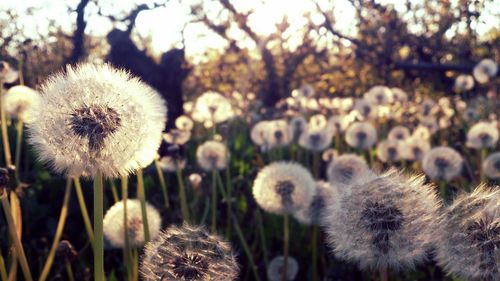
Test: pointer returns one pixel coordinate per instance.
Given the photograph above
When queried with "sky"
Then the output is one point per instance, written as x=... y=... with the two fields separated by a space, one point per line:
x=164 y=25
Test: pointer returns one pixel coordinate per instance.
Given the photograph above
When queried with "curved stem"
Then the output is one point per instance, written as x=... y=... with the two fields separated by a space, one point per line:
x=141 y=194
x=16 y=239
x=69 y=270
x=245 y=247
x=163 y=185
x=98 y=228
x=57 y=237
x=84 y=211
x=19 y=144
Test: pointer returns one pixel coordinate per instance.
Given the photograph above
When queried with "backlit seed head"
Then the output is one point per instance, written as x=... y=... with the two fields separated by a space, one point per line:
x=468 y=241
x=96 y=118
x=345 y=169
x=485 y=70
x=482 y=135
x=399 y=133
x=283 y=187
x=325 y=194
x=442 y=163
x=414 y=148
x=389 y=151
x=361 y=135
x=18 y=101
x=212 y=155
x=188 y=253
x=383 y=221
x=491 y=166
x=276 y=267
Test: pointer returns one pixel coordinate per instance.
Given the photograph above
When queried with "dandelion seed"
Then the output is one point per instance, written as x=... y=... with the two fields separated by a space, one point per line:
x=491 y=166
x=383 y=221
x=312 y=214
x=212 y=155
x=275 y=269
x=18 y=101
x=482 y=135
x=468 y=243
x=115 y=228
x=442 y=163
x=188 y=253
x=283 y=187
x=96 y=118
x=485 y=70
x=345 y=169
x=361 y=135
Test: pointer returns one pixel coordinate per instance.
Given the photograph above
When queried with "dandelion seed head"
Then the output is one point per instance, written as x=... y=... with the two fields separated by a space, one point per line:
x=212 y=107
x=389 y=151
x=366 y=109
x=184 y=123
x=298 y=125
x=212 y=155
x=18 y=101
x=491 y=166
x=283 y=187
x=276 y=267
x=7 y=74
x=176 y=136
x=482 y=135
x=115 y=228
x=312 y=213
x=171 y=164
x=468 y=242
x=383 y=221
x=399 y=95
x=399 y=133
x=96 y=118
x=414 y=148
x=464 y=82
x=345 y=169
x=361 y=135
x=485 y=70
x=442 y=163
x=379 y=95
x=315 y=139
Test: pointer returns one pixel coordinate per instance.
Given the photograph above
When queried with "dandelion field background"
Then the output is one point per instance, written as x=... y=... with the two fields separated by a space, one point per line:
x=320 y=140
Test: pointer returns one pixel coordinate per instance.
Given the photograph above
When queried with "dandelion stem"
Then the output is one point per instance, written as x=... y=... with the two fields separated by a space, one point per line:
x=182 y=195
x=126 y=251
x=442 y=189
x=19 y=143
x=59 y=230
x=3 y=269
x=245 y=247
x=316 y=164
x=480 y=165
x=214 y=201
x=114 y=191
x=141 y=194
x=163 y=185
x=84 y=211
x=286 y=238
x=262 y=234
x=98 y=228
x=69 y=270
x=15 y=238
x=5 y=135
x=314 y=245
x=228 y=201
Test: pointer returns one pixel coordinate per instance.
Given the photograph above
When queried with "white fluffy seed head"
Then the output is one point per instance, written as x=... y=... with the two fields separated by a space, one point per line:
x=278 y=134
x=468 y=241
x=442 y=163
x=316 y=139
x=18 y=101
x=367 y=110
x=283 y=187
x=399 y=133
x=491 y=166
x=324 y=194
x=485 y=70
x=184 y=123
x=379 y=95
x=399 y=95
x=275 y=269
x=345 y=169
x=7 y=73
x=212 y=155
x=188 y=253
x=414 y=148
x=361 y=135
x=212 y=107
x=383 y=221
x=177 y=136
x=482 y=135
x=171 y=164
x=389 y=151
x=464 y=82
x=115 y=228
x=96 y=118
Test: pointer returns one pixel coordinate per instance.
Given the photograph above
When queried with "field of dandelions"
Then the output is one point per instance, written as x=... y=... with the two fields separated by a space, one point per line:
x=391 y=185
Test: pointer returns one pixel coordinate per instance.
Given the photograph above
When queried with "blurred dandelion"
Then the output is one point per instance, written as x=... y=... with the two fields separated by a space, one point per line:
x=464 y=82
x=361 y=135
x=379 y=95
x=312 y=213
x=414 y=148
x=315 y=139
x=491 y=166
x=212 y=155
x=346 y=168
x=176 y=136
x=468 y=241
x=184 y=123
x=399 y=133
x=275 y=269
x=442 y=163
x=485 y=70
x=18 y=101
x=389 y=151
x=188 y=253
x=212 y=107
x=115 y=228
x=482 y=135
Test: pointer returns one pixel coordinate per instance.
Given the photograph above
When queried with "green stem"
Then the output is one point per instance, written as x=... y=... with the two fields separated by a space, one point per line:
x=98 y=228
x=214 y=201
x=116 y=198
x=141 y=194
x=262 y=235
x=59 y=230
x=69 y=270
x=245 y=247
x=228 y=201
x=3 y=269
x=481 y=172
x=314 y=245
x=182 y=195
x=163 y=185
x=5 y=135
x=126 y=251
x=316 y=164
x=16 y=239
x=442 y=189
x=19 y=143
x=84 y=211
x=286 y=238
